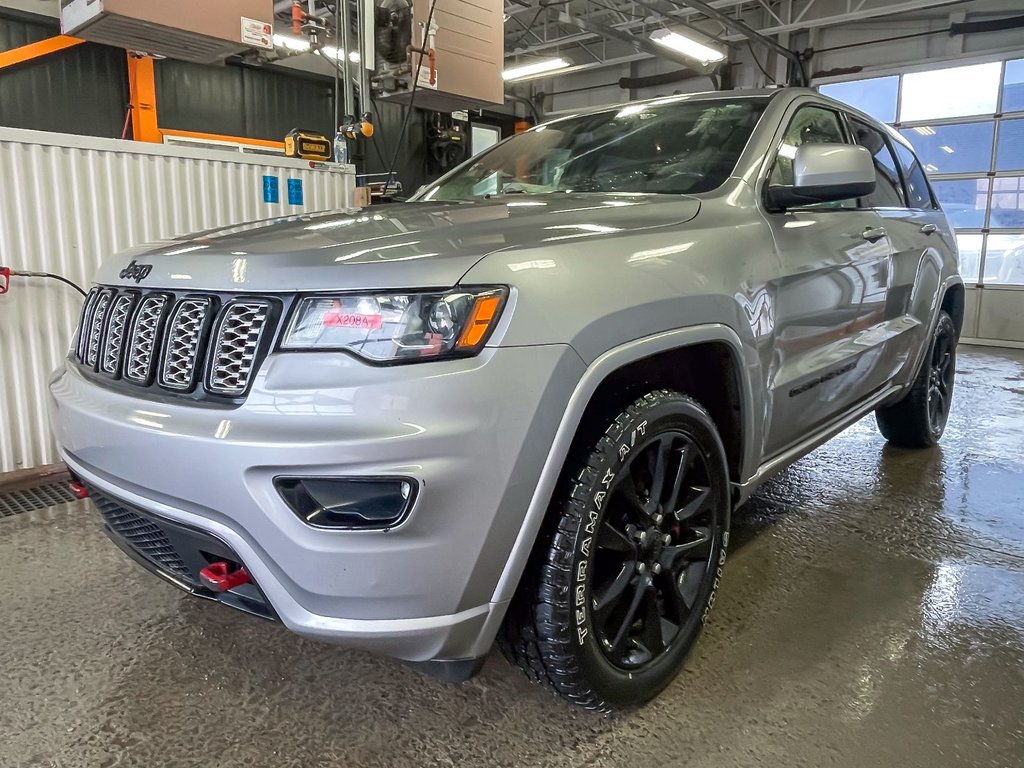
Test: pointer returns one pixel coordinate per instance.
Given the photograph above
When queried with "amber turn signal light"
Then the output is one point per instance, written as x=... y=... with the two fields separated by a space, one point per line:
x=485 y=310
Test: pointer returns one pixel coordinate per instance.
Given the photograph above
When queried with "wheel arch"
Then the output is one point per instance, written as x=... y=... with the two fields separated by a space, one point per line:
x=954 y=302
x=654 y=357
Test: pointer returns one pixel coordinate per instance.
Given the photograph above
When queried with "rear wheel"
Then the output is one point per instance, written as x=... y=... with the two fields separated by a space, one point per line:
x=623 y=577
x=919 y=419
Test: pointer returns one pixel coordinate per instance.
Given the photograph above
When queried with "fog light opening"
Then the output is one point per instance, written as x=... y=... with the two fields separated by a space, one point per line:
x=370 y=503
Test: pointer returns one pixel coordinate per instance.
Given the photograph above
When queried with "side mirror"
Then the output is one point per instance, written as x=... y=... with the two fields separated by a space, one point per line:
x=826 y=173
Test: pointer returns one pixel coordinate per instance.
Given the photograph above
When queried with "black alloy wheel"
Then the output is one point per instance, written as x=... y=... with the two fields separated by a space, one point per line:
x=653 y=550
x=919 y=418
x=940 y=377
x=625 y=570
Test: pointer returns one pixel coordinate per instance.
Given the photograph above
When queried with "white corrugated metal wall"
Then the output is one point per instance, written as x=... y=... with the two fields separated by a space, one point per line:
x=68 y=202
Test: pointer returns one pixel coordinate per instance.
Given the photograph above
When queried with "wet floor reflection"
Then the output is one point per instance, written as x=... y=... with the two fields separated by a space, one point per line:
x=872 y=613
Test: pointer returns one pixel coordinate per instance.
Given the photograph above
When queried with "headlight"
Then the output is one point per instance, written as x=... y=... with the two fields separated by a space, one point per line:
x=389 y=327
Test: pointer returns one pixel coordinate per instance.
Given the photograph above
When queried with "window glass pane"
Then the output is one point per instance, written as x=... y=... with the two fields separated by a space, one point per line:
x=1010 y=156
x=876 y=96
x=888 y=187
x=1004 y=262
x=918 y=195
x=1008 y=203
x=970 y=256
x=483 y=137
x=810 y=125
x=1013 y=86
x=954 y=92
x=963 y=201
x=953 y=148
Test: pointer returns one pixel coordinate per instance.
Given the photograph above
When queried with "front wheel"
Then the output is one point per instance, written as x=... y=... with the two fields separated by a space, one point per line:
x=625 y=573
x=919 y=419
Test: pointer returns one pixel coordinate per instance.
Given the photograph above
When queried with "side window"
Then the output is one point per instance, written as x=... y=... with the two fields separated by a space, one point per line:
x=918 y=194
x=888 y=189
x=810 y=125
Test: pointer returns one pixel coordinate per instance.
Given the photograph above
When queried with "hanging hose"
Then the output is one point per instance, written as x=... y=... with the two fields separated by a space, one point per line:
x=6 y=273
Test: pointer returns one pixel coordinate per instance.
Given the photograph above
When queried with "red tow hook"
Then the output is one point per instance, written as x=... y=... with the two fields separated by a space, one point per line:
x=220 y=578
x=80 y=491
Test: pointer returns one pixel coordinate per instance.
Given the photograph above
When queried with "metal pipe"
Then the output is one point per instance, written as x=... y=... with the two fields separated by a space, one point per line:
x=337 y=65
x=345 y=42
x=744 y=29
x=367 y=51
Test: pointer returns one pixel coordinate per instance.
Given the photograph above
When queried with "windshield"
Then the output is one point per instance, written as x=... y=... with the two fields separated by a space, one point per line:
x=667 y=148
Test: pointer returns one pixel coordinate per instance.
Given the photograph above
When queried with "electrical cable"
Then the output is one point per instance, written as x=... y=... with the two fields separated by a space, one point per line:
x=127 y=122
x=893 y=39
x=412 y=99
x=529 y=104
x=50 y=276
x=764 y=71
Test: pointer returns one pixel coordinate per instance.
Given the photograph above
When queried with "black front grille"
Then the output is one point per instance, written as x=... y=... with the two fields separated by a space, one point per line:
x=143 y=535
x=195 y=345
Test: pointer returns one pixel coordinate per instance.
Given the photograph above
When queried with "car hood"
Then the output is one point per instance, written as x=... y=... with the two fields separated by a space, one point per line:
x=403 y=245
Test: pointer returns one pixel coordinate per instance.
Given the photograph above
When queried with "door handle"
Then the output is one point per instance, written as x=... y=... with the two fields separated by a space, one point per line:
x=929 y=229
x=873 y=235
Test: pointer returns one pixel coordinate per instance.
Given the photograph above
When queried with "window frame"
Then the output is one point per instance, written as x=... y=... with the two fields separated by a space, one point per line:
x=932 y=197
x=904 y=189
x=780 y=139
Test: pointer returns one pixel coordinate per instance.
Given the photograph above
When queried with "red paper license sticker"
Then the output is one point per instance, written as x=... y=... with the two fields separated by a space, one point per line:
x=353 y=320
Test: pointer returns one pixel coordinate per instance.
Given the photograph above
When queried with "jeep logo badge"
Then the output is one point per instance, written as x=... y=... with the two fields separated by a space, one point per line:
x=136 y=272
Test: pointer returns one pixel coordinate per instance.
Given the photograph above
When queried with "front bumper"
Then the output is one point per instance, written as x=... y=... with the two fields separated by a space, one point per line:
x=474 y=432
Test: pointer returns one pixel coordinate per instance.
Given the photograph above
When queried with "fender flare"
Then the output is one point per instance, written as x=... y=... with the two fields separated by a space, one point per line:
x=933 y=318
x=595 y=374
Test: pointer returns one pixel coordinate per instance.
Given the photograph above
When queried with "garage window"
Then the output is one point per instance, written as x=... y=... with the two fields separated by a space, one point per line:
x=953 y=92
x=877 y=96
x=1011 y=146
x=959 y=148
x=964 y=201
x=966 y=124
x=1013 y=86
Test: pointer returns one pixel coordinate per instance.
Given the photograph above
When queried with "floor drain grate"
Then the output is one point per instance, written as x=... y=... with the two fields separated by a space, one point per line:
x=28 y=499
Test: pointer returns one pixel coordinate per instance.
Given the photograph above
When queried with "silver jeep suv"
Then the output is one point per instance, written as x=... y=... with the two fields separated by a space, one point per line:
x=524 y=404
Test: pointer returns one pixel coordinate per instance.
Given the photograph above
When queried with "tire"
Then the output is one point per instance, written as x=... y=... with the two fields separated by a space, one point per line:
x=919 y=419
x=610 y=546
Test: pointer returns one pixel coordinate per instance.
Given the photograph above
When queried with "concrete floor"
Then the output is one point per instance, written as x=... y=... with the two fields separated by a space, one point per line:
x=872 y=614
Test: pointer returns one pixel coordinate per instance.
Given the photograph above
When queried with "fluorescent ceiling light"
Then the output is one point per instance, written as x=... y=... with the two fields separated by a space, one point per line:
x=925 y=130
x=947 y=149
x=534 y=68
x=687 y=46
x=291 y=43
x=336 y=53
x=298 y=45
